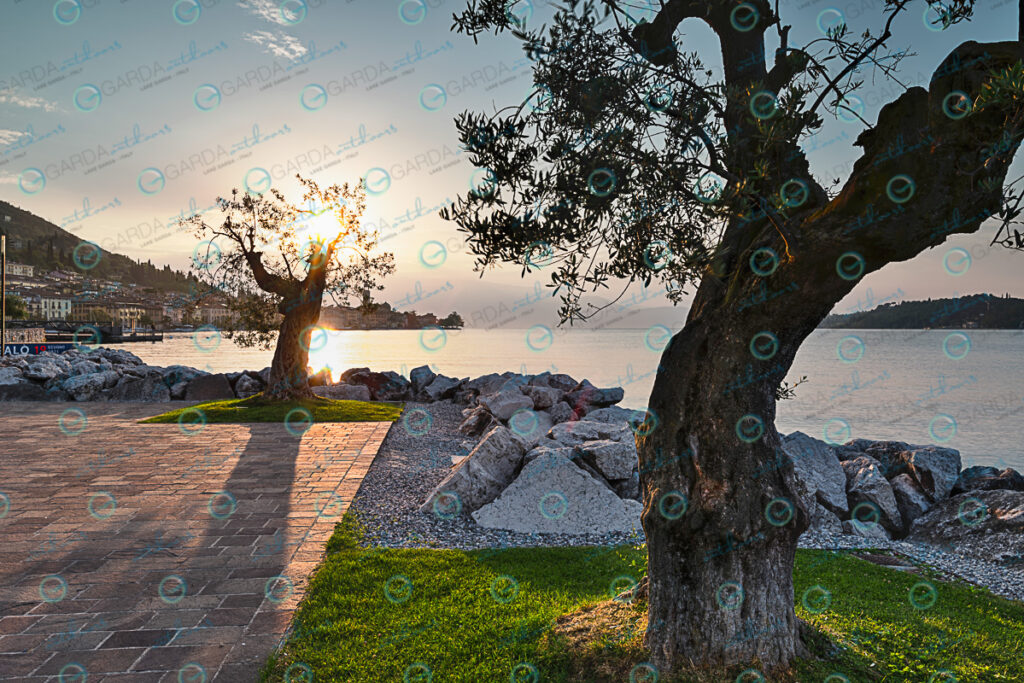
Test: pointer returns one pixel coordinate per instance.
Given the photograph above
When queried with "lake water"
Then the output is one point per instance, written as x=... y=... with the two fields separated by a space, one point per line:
x=959 y=388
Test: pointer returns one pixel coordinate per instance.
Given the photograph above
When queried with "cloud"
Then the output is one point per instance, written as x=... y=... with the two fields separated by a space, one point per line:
x=271 y=11
x=9 y=136
x=27 y=101
x=278 y=44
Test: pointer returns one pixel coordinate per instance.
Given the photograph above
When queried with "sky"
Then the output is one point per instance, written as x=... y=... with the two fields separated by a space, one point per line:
x=117 y=117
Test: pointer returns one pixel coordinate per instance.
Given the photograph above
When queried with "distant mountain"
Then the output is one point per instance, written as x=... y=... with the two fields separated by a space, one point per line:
x=981 y=311
x=35 y=241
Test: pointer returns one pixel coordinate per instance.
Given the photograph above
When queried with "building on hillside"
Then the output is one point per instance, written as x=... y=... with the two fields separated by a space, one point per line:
x=214 y=313
x=47 y=304
x=19 y=270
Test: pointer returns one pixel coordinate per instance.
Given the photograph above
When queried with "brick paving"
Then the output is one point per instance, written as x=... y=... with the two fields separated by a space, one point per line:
x=139 y=552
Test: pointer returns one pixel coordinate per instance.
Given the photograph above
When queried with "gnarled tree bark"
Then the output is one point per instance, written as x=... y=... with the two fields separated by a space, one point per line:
x=720 y=574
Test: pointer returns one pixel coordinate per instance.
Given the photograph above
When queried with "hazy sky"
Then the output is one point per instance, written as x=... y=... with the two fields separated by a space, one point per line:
x=139 y=112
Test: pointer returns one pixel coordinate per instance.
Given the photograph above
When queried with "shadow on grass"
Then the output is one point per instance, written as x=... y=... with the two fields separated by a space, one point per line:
x=419 y=615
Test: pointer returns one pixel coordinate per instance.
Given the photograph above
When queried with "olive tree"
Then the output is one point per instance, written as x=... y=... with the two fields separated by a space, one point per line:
x=275 y=261
x=632 y=161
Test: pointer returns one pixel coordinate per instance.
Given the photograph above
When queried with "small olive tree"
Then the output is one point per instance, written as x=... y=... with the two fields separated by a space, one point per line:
x=275 y=261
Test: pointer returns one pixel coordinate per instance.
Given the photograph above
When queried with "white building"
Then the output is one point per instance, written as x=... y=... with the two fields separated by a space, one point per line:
x=19 y=270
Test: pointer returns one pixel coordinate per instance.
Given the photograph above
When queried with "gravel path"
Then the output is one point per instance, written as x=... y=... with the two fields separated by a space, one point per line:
x=415 y=458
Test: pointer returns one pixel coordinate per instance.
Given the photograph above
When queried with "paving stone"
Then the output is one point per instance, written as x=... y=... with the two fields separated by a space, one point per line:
x=112 y=619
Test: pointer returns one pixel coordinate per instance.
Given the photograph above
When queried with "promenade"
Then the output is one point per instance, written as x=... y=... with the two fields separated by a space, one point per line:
x=138 y=552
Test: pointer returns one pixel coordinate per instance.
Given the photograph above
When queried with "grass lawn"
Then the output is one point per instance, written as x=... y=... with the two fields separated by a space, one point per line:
x=395 y=615
x=258 y=409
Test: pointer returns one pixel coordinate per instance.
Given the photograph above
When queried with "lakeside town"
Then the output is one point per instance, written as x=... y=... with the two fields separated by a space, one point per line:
x=35 y=294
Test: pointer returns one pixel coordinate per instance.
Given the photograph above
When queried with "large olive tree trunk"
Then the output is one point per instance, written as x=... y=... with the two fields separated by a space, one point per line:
x=300 y=306
x=720 y=572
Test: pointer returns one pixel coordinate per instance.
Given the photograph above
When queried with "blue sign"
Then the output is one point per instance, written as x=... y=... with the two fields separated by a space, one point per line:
x=27 y=349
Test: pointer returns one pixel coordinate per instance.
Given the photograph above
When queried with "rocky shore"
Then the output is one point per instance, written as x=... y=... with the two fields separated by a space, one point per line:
x=508 y=460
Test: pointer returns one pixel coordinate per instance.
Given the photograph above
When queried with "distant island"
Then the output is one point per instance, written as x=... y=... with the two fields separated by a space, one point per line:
x=384 y=317
x=974 y=311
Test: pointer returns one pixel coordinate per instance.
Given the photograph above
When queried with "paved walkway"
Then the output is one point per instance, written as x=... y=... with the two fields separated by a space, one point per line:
x=142 y=553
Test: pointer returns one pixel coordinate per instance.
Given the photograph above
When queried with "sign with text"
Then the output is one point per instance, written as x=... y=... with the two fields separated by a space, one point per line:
x=32 y=349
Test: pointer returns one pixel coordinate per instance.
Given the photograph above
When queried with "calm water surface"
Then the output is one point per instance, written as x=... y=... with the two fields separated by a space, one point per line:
x=963 y=389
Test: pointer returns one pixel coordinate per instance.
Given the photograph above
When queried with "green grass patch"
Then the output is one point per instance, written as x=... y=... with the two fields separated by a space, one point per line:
x=387 y=615
x=258 y=409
